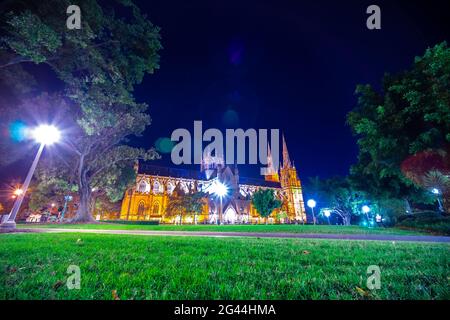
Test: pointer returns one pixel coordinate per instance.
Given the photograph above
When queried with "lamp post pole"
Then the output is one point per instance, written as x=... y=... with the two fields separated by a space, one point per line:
x=312 y=203
x=441 y=208
x=220 y=212
x=314 y=217
x=327 y=214
x=10 y=222
x=438 y=193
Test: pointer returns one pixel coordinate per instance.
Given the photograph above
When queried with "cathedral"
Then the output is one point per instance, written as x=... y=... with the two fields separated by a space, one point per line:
x=149 y=197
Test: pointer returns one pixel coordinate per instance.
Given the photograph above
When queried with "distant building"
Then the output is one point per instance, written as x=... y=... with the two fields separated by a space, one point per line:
x=148 y=198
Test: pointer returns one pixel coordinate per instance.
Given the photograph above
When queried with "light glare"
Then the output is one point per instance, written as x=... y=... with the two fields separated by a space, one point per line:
x=46 y=134
x=311 y=203
x=220 y=189
x=366 y=209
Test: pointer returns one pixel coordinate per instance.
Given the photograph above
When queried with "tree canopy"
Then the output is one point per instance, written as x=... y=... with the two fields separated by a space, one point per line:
x=98 y=67
x=180 y=204
x=265 y=202
x=339 y=196
x=411 y=114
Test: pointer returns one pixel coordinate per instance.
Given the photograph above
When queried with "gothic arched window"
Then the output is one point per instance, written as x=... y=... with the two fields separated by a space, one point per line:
x=157 y=187
x=143 y=186
x=141 y=209
x=156 y=208
x=170 y=187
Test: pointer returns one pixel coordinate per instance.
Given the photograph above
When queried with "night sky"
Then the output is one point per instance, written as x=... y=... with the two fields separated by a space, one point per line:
x=292 y=66
x=266 y=64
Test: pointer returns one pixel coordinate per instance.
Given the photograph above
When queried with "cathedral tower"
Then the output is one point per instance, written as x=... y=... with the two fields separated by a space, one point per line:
x=272 y=174
x=291 y=185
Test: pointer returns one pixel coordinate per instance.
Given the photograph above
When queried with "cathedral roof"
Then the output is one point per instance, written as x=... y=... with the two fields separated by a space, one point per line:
x=259 y=182
x=145 y=168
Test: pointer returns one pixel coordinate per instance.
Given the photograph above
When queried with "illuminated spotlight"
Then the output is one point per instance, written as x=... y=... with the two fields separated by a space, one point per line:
x=18 y=192
x=220 y=189
x=366 y=209
x=435 y=190
x=311 y=203
x=46 y=134
x=327 y=213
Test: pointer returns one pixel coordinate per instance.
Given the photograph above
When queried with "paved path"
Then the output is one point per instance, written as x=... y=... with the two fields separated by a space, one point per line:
x=379 y=237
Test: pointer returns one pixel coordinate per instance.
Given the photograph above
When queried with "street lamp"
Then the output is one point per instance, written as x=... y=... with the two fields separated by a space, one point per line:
x=45 y=135
x=220 y=190
x=437 y=192
x=327 y=213
x=18 y=192
x=366 y=210
x=311 y=203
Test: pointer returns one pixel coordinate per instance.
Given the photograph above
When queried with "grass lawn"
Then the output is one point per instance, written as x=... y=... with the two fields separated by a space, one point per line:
x=232 y=228
x=34 y=266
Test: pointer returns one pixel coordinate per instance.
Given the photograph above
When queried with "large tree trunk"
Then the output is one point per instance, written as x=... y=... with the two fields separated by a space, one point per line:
x=84 y=212
x=345 y=217
x=346 y=221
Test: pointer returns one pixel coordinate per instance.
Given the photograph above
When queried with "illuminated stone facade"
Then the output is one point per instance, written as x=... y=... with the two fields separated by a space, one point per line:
x=148 y=198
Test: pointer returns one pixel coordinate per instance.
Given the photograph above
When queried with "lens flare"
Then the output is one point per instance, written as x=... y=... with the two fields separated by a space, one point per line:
x=46 y=134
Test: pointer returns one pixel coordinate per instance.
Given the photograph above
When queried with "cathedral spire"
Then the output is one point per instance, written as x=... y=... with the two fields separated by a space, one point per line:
x=286 y=160
x=271 y=173
x=270 y=167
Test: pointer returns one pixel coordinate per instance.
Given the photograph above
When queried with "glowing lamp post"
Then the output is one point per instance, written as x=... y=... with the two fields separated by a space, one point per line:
x=220 y=190
x=327 y=213
x=312 y=203
x=366 y=210
x=437 y=193
x=45 y=135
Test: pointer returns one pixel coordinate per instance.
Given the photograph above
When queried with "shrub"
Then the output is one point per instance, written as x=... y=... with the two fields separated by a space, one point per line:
x=143 y=223
x=427 y=221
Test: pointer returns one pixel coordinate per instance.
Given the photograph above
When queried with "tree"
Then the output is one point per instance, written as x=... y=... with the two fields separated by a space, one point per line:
x=409 y=116
x=176 y=207
x=430 y=170
x=281 y=215
x=435 y=180
x=417 y=166
x=98 y=67
x=51 y=187
x=265 y=202
x=338 y=195
x=181 y=204
x=194 y=203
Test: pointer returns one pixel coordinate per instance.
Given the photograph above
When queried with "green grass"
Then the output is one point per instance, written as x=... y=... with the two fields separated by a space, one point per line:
x=34 y=266
x=233 y=228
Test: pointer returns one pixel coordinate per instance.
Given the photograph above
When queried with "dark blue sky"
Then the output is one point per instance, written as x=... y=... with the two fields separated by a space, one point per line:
x=292 y=65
